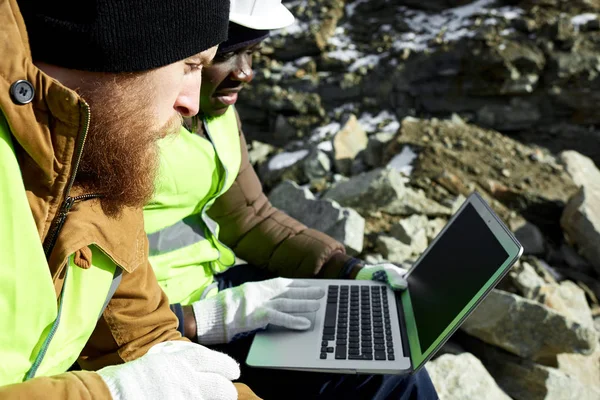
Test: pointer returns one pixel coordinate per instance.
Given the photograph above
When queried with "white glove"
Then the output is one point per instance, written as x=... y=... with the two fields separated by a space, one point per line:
x=253 y=306
x=386 y=273
x=174 y=370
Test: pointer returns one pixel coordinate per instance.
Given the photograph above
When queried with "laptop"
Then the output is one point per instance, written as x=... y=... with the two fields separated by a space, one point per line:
x=365 y=327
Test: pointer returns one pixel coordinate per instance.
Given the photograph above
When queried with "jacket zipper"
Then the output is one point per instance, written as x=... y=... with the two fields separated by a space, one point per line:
x=55 y=229
x=69 y=201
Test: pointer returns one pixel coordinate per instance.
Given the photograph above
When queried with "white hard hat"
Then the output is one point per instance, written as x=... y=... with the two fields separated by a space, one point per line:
x=260 y=14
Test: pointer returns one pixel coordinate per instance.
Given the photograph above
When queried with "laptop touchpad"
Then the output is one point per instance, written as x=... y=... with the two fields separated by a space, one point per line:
x=310 y=316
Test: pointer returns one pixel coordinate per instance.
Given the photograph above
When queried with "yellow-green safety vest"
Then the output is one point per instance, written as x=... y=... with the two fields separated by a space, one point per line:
x=39 y=337
x=185 y=250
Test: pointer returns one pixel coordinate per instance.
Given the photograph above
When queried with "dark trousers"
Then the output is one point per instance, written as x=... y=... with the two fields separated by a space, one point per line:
x=279 y=384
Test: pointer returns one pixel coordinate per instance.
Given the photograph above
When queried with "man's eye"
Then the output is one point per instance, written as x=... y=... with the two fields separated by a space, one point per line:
x=191 y=67
x=224 y=56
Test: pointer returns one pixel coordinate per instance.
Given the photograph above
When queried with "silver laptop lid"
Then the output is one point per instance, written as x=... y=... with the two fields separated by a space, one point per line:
x=465 y=261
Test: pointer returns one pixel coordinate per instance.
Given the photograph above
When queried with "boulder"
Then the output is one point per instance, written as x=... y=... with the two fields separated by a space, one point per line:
x=347 y=144
x=412 y=231
x=581 y=217
x=259 y=152
x=384 y=190
x=568 y=299
x=527 y=328
x=526 y=280
x=508 y=173
x=581 y=223
x=463 y=377
x=284 y=165
x=375 y=147
x=343 y=224
x=434 y=227
x=317 y=165
x=393 y=250
x=531 y=238
x=526 y=380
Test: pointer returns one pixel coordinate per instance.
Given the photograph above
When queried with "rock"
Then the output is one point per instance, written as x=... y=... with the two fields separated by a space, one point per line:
x=570 y=257
x=526 y=280
x=518 y=114
x=568 y=299
x=259 y=152
x=375 y=147
x=375 y=259
x=412 y=231
x=582 y=169
x=531 y=237
x=343 y=224
x=526 y=380
x=285 y=165
x=393 y=250
x=508 y=321
x=463 y=377
x=383 y=190
x=434 y=227
x=460 y=171
x=317 y=165
x=585 y=368
x=347 y=143
x=581 y=223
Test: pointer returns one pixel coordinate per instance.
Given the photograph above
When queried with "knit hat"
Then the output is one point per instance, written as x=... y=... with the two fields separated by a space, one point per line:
x=239 y=36
x=122 y=35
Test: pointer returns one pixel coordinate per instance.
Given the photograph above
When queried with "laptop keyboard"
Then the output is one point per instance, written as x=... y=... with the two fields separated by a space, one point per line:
x=357 y=324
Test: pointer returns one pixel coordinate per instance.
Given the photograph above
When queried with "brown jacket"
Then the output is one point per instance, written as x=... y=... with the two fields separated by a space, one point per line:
x=45 y=136
x=268 y=238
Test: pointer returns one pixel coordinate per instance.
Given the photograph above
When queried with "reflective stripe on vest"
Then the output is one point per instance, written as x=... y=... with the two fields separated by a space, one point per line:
x=184 y=248
x=37 y=337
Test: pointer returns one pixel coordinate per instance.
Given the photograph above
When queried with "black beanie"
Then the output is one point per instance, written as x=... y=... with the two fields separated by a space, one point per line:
x=122 y=35
x=240 y=36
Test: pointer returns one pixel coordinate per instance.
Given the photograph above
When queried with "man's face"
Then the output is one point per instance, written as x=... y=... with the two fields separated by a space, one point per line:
x=129 y=114
x=223 y=80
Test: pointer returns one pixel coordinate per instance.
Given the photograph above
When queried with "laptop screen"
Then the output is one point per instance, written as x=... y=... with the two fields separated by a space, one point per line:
x=453 y=274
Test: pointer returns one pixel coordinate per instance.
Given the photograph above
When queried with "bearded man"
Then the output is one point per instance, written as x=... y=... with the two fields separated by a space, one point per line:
x=86 y=90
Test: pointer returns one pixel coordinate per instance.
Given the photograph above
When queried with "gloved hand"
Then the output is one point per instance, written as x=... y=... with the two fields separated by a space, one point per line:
x=174 y=370
x=253 y=306
x=386 y=273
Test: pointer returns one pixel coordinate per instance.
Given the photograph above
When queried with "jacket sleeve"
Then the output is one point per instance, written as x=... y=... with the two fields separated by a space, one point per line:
x=268 y=238
x=137 y=317
x=80 y=385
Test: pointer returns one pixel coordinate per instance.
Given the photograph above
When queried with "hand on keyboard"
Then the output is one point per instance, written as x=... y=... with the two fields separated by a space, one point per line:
x=386 y=273
x=253 y=306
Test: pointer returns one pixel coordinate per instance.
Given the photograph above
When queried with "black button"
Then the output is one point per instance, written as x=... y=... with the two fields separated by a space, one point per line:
x=21 y=92
x=323 y=356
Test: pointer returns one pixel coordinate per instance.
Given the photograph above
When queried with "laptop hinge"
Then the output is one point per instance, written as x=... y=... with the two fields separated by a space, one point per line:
x=403 y=330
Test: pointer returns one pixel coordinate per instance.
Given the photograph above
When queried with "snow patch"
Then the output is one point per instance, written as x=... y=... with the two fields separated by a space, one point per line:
x=323 y=132
x=402 y=162
x=286 y=159
x=372 y=124
x=582 y=19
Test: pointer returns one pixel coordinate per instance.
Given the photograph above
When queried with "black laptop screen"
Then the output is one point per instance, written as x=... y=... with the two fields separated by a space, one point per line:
x=451 y=273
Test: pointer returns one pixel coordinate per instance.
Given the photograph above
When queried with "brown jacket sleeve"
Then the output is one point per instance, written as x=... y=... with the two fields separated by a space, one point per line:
x=80 y=385
x=266 y=237
x=137 y=318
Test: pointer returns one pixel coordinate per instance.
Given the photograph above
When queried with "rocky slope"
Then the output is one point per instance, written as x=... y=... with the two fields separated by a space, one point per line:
x=386 y=114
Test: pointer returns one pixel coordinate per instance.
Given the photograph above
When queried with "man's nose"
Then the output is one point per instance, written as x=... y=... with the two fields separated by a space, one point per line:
x=243 y=71
x=188 y=102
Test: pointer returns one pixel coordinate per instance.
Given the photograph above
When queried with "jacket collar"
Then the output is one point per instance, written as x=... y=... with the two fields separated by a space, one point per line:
x=45 y=133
